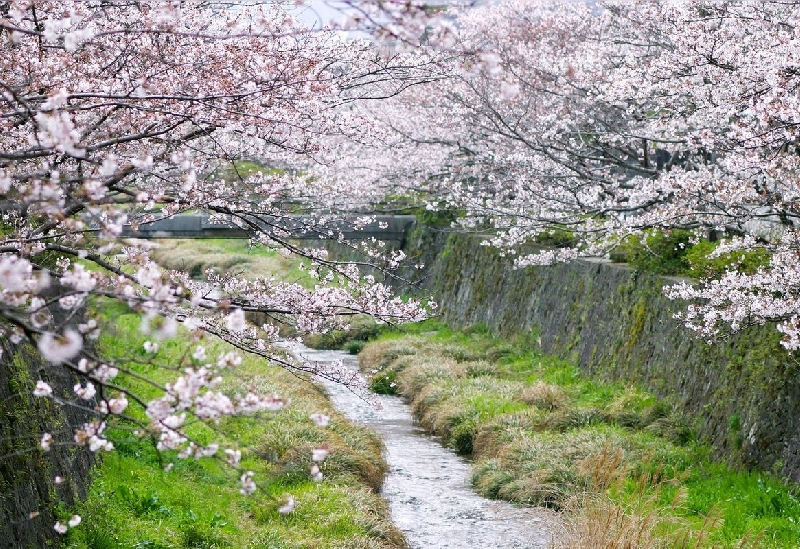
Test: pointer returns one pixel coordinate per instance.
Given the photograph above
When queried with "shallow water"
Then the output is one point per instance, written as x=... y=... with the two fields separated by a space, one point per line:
x=428 y=487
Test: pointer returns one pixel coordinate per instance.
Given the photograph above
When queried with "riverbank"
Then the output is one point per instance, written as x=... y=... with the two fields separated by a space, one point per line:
x=427 y=486
x=622 y=465
x=615 y=323
x=134 y=501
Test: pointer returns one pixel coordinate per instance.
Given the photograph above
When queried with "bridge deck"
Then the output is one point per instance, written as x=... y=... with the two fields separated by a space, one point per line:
x=383 y=227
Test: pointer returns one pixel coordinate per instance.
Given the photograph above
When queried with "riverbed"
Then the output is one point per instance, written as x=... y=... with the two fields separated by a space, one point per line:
x=428 y=485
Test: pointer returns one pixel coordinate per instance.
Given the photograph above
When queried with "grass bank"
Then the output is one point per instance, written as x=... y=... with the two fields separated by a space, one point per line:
x=135 y=503
x=624 y=468
x=228 y=255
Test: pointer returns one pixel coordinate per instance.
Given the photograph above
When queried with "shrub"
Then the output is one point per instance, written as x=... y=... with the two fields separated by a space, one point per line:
x=701 y=266
x=662 y=253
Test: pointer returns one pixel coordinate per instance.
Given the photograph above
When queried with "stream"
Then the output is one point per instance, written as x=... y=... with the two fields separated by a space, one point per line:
x=428 y=485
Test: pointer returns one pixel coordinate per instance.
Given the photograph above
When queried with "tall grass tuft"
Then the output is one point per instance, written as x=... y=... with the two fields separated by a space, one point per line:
x=624 y=469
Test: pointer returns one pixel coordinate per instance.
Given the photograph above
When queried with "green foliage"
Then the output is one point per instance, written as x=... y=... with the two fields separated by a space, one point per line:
x=658 y=252
x=195 y=256
x=242 y=169
x=701 y=266
x=557 y=238
x=384 y=382
x=415 y=203
x=681 y=253
x=362 y=329
x=437 y=218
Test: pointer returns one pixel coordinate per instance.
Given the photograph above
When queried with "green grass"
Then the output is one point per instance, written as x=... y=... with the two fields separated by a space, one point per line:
x=618 y=461
x=134 y=502
x=229 y=255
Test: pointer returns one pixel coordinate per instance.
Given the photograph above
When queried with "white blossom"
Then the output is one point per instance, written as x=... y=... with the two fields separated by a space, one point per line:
x=235 y=321
x=248 y=485
x=320 y=420
x=87 y=392
x=42 y=389
x=60 y=348
x=46 y=441
x=287 y=507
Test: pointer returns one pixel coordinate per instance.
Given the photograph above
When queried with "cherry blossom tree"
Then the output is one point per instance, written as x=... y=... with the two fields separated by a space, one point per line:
x=606 y=121
x=116 y=113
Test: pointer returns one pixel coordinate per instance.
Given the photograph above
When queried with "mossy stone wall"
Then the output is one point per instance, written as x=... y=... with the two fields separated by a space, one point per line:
x=28 y=496
x=742 y=395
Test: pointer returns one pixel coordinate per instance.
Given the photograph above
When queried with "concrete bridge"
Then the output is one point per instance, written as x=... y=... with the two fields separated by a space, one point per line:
x=389 y=228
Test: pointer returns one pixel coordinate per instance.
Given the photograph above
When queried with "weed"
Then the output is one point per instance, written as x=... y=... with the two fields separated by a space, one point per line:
x=626 y=470
x=134 y=502
x=545 y=396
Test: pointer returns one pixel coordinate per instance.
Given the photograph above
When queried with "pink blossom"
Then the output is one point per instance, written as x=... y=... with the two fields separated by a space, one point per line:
x=287 y=507
x=235 y=321
x=320 y=420
x=248 y=485
x=60 y=348
x=46 y=441
x=42 y=389
x=233 y=456
x=87 y=392
x=117 y=405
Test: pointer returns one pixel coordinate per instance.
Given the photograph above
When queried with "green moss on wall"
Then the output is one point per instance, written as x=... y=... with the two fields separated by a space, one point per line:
x=615 y=323
x=28 y=496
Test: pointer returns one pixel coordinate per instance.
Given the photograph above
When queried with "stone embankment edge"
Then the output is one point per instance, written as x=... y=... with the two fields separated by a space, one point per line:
x=741 y=395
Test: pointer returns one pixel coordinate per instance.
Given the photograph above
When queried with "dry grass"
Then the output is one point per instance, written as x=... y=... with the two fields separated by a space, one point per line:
x=648 y=519
x=233 y=256
x=595 y=522
x=380 y=354
x=545 y=396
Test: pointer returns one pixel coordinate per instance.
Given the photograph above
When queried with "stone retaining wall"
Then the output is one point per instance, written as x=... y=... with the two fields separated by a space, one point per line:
x=741 y=395
x=28 y=495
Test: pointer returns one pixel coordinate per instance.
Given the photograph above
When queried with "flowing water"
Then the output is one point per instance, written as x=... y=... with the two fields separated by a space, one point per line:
x=427 y=486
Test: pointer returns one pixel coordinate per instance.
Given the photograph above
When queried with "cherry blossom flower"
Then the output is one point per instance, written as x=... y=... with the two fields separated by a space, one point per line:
x=57 y=349
x=235 y=321
x=248 y=485
x=42 y=389
x=87 y=392
x=150 y=347
x=320 y=420
x=117 y=405
x=287 y=507
x=46 y=441
x=233 y=457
